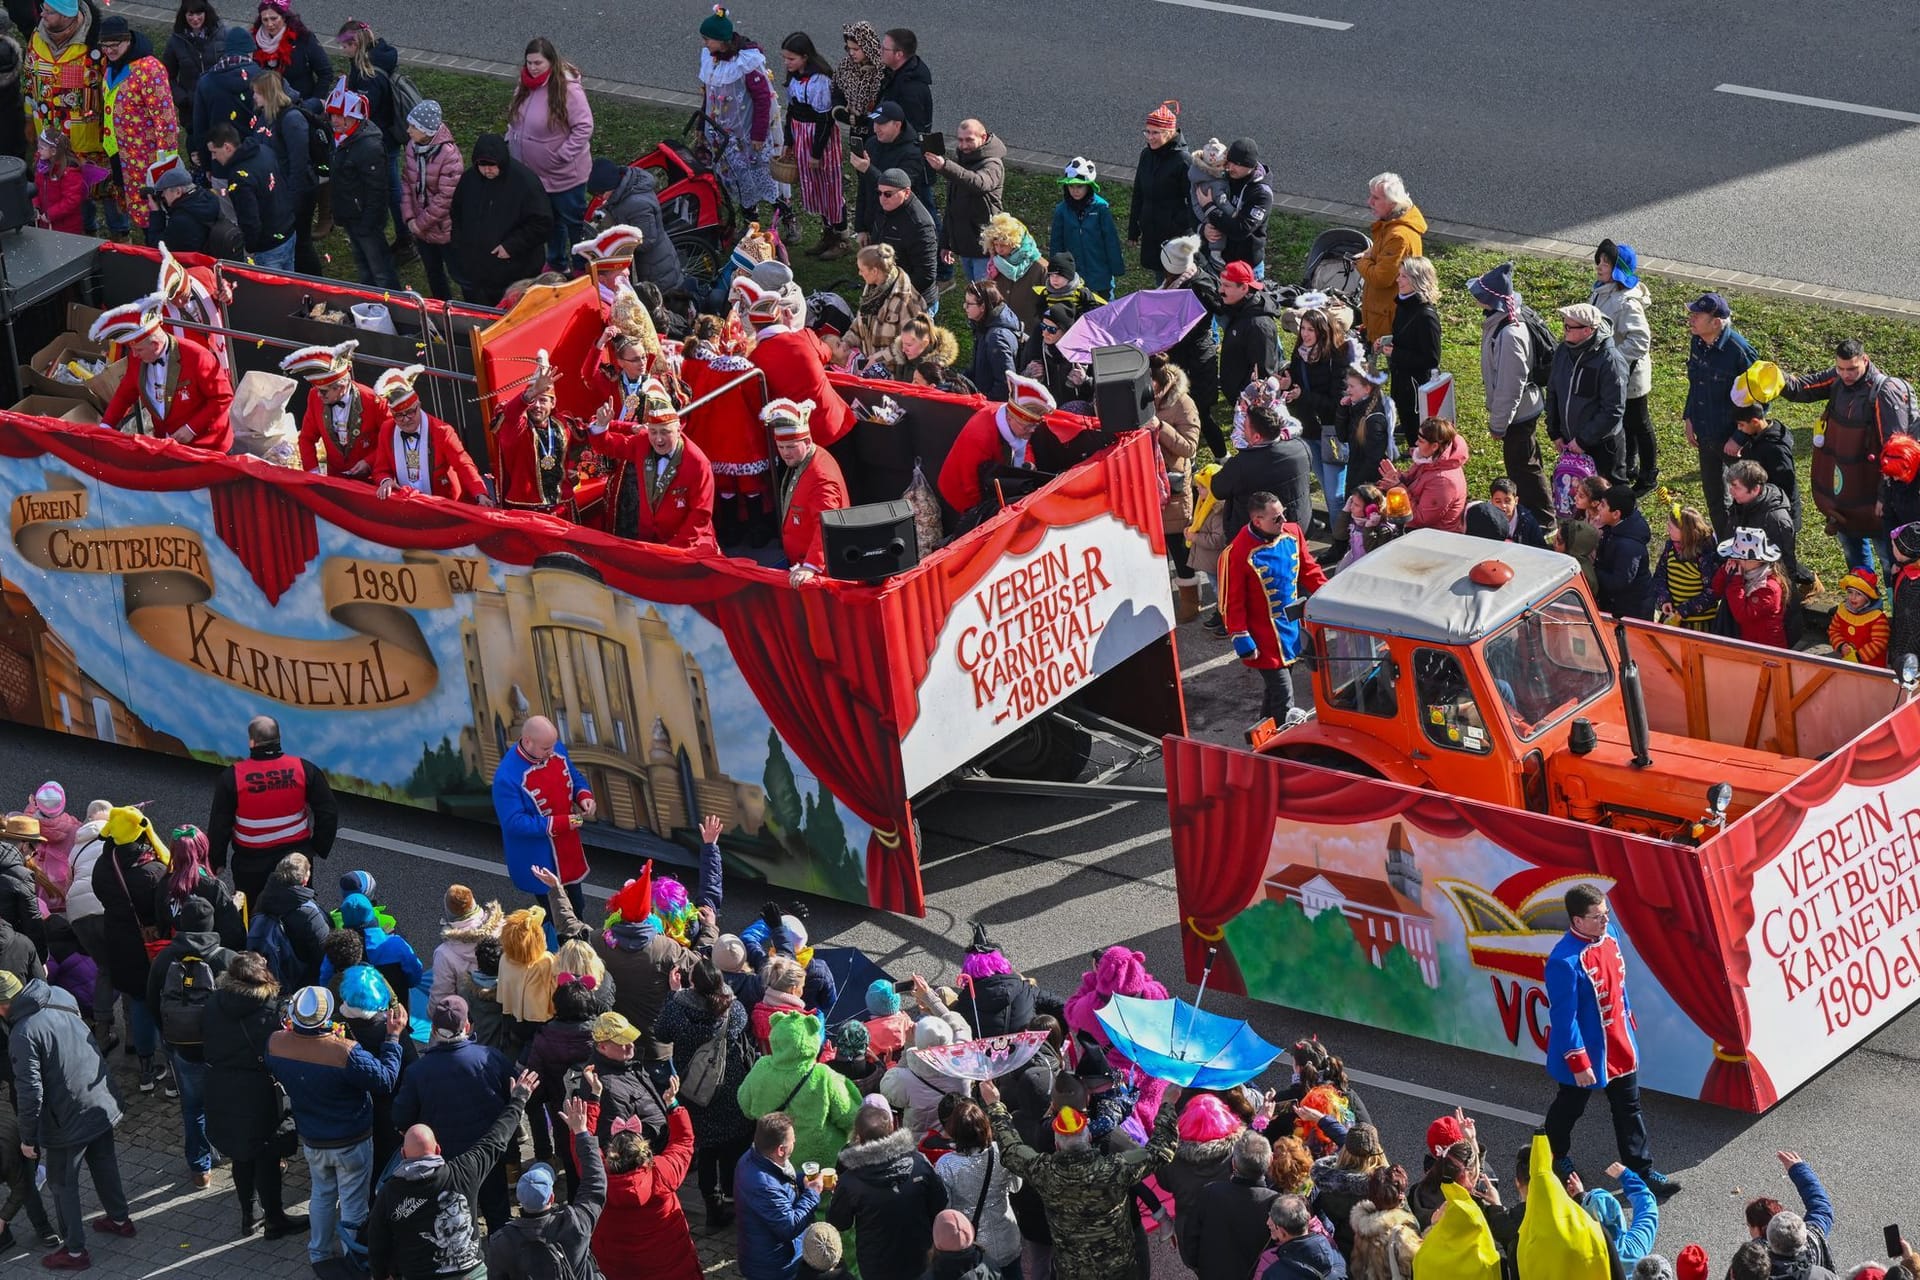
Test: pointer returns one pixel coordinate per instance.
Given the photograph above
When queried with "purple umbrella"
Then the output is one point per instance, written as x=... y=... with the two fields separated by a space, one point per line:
x=1152 y=320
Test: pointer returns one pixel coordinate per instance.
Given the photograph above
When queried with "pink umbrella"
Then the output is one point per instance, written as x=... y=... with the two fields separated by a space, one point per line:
x=1152 y=320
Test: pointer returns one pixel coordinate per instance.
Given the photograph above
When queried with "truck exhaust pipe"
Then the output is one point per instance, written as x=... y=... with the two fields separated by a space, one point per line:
x=1634 y=698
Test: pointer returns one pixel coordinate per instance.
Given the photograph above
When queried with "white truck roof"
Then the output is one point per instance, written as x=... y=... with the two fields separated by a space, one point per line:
x=1417 y=587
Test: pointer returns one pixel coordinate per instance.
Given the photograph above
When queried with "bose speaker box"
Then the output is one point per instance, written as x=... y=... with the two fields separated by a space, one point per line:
x=865 y=544
x=1122 y=391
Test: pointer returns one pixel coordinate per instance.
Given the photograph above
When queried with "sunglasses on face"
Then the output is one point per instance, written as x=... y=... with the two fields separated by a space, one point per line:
x=1049 y=328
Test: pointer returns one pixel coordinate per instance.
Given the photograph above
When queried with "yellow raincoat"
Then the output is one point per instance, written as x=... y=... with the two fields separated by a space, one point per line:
x=1557 y=1237
x=1460 y=1244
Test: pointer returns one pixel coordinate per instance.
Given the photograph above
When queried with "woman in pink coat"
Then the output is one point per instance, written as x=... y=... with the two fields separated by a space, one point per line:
x=429 y=171
x=550 y=130
x=1436 y=477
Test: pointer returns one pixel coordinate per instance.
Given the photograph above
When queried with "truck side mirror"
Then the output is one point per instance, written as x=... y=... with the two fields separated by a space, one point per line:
x=1909 y=673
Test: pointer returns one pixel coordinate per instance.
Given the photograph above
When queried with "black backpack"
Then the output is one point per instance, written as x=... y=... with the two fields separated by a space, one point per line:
x=183 y=1000
x=539 y=1257
x=1540 y=345
x=319 y=138
x=224 y=239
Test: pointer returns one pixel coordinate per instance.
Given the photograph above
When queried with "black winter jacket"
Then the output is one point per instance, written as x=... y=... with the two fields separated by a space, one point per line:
x=889 y=1194
x=360 y=182
x=1248 y=341
x=205 y=945
x=1162 y=205
x=912 y=87
x=1280 y=467
x=186 y=225
x=240 y=1021
x=1623 y=568
x=422 y=1224
x=260 y=199
x=915 y=240
x=904 y=154
x=1243 y=218
x=224 y=95
x=510 y=211
x=1772 y=448
x=976 y=183
x=568 y=1227
x=187 y=57
x=1586 y=395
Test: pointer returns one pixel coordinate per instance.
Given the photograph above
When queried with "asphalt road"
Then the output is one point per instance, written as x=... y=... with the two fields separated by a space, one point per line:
x=1056 y=880
x=1570 y=121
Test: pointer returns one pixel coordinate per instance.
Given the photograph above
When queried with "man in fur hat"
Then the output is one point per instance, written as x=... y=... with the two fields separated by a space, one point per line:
x=344 y=421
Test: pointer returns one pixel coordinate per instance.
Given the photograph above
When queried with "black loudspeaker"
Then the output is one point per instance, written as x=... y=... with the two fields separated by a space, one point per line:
x=865 y=544
x=1122 y=391
x=16 y=194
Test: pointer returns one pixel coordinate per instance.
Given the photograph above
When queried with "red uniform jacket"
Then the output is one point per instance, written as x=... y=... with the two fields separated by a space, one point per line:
x=522 y=458
x=818 y=486
x=978 y=445
x=197 y=396
x=682 y=515
x=796 y=367
x=728 y=430
x=364 y=432
x=1259 y=581
x=450 y=469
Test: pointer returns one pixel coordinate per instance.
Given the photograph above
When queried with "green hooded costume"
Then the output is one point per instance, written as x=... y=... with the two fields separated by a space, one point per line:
x=820 y=1101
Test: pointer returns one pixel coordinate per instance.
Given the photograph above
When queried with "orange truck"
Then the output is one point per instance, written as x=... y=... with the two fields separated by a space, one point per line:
x=1483 y=739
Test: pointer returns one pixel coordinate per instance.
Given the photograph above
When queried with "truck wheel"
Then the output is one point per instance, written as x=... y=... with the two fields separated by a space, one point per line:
x=1330 y=758
x=1048 y=750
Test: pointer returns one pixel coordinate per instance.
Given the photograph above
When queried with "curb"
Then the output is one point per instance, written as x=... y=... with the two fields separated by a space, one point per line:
x=1306 y=206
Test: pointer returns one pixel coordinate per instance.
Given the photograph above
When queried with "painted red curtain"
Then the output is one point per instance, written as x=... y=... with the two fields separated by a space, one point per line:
x=822 y=682
x=1220 y=797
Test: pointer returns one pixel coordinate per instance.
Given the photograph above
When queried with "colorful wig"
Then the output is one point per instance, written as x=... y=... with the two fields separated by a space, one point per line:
x=985 y=964
x=673 y=910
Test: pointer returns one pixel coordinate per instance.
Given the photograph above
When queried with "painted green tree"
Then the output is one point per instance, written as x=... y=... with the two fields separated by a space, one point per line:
x=827 y=839
x=785 y=812
x=442 y=772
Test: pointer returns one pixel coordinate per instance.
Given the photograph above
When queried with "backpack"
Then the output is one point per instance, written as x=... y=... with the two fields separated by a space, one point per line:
x=1540 y=345
x=539 y=1257
x=319 y=138
x=406 y=96
x=706 y=1068
x=267 y=936
x=183 y=1000
x=224 y=239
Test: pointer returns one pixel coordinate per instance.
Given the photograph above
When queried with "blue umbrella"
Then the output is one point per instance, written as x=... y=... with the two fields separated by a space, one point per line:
x=1182 y=1043
x=852 y=973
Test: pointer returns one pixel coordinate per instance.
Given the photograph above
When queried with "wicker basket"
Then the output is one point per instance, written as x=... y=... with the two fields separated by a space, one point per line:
x=784 y=168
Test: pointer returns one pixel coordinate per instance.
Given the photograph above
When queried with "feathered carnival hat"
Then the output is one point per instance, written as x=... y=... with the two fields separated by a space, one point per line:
x=128 y=322
x=173 y=273
x=321 y=366
x=395 y=386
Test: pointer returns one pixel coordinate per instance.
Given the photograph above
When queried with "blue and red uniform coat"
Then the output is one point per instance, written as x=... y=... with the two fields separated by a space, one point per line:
x=1593 y=1027
x=533 y=802
x=1259 y=580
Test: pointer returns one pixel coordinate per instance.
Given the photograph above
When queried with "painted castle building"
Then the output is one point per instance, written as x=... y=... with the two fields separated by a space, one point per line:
x=1381 y=913
x=631 y=703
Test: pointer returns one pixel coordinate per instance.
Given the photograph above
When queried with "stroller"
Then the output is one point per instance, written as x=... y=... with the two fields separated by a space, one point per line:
x=700 y=216
x=1330 y=263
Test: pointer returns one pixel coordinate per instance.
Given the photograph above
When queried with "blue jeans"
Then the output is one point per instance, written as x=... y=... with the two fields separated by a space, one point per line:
x=569 y=225
x=146 y=1036
x=373 y=260
x=278 y=258
x=342 y=1178
x=1864 y=552
x=974 y=268
x=1333 y=479
x=192 y=1077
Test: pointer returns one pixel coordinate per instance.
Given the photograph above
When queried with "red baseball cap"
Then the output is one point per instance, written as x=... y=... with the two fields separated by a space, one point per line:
x=1239 y=273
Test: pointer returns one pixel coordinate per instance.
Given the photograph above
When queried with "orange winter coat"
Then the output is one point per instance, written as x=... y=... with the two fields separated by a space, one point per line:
x=1395 y=240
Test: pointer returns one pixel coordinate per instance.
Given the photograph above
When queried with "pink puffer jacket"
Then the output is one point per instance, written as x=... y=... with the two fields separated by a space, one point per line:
x=426 y=189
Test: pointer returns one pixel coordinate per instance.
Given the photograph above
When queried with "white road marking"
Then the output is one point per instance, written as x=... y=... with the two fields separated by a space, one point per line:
x=1801 y=100
x=1473 y=1106
x=1201 y=668
x=1246 y=11
x=447 y=856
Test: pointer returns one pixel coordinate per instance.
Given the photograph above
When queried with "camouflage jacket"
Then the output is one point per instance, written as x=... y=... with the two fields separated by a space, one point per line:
x=1087 y=1195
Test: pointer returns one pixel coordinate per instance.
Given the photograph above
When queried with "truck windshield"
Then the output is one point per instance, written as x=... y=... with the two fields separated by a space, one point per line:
x=1548 y=664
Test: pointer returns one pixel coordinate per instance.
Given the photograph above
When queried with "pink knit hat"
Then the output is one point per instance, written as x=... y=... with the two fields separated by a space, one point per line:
x=1206 y=1119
